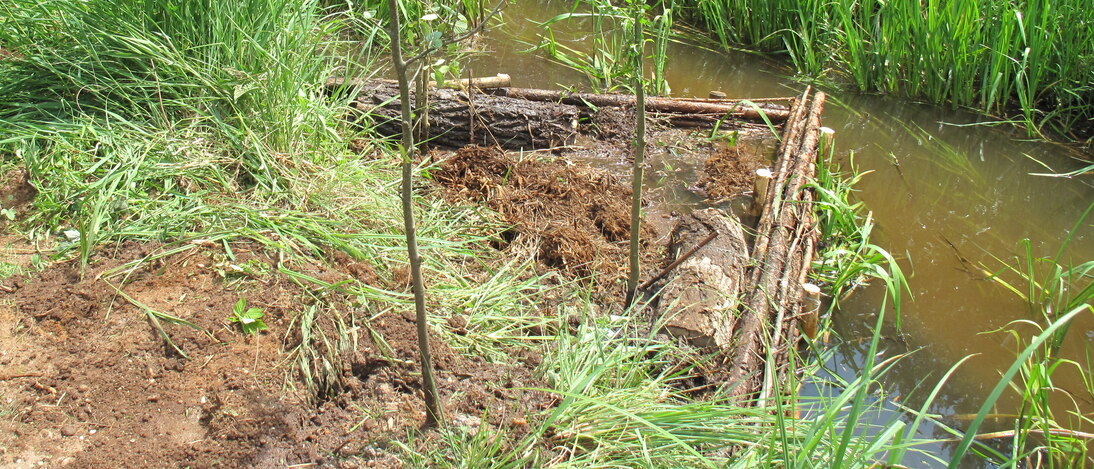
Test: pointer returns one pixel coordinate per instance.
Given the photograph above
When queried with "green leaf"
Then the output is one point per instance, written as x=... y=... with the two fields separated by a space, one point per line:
x=249 y=319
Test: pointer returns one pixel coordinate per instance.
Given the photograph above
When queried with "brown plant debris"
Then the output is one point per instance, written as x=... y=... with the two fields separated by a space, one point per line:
x=576 y=219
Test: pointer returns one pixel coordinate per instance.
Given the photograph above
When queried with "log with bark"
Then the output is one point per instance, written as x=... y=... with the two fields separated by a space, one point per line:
x=485 y=111
x=457 y=118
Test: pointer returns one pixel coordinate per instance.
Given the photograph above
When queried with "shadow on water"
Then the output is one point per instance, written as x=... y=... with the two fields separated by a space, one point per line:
x=946 y=195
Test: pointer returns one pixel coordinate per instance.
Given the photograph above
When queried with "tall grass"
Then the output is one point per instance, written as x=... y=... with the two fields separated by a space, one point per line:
x=241 y=68
x=1057 y=293
x=1031 y=61
x=136 y=113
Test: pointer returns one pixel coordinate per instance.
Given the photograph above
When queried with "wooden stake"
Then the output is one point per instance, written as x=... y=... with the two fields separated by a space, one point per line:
x=810 y=315
x=760 y=186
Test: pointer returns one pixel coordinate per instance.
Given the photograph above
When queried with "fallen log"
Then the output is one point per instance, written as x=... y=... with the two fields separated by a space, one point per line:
x=700 y=297
x=458 y=118
x=713 y=108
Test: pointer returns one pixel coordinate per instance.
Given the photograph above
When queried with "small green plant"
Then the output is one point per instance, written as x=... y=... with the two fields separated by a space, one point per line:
x=8 y=270
x=250 y=319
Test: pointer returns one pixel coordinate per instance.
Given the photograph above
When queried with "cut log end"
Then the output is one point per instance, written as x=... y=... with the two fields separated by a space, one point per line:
x=810 y=315
x=760 y=187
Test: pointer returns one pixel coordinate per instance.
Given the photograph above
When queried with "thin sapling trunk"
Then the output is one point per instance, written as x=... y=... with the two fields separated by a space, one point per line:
x=639 y=156
x=434 y=412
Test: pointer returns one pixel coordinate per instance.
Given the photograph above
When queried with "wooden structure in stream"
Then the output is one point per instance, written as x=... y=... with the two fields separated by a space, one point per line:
x=716 y=289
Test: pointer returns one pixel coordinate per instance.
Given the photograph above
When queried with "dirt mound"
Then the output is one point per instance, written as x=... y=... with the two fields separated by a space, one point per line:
x=575 y=218
x=88 y=381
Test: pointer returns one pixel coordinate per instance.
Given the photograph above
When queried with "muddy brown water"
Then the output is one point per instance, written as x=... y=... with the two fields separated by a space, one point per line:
x=942 y=189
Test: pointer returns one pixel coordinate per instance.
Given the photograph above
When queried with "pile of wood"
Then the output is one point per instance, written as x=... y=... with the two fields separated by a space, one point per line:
x=488 y=112
x=744 y=301
x=786 y=237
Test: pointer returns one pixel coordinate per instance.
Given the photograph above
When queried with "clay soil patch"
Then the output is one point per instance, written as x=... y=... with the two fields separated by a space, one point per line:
x=88 y=382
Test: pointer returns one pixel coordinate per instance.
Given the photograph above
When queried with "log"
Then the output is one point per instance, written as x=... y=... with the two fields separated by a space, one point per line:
x=700 y=299
x=780 y=257
x=736 y=109
x=458 y=118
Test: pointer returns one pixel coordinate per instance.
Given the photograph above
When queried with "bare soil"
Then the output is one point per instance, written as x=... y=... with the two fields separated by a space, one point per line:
x=87 y=381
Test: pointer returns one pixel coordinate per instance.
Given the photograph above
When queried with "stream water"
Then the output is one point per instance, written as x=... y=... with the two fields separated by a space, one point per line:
x=948 y=199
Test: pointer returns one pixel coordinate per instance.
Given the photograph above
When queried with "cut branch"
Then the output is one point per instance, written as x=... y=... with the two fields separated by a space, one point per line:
x=715 y=108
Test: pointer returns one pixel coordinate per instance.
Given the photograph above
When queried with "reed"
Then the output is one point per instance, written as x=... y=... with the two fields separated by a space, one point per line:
x=1029 y=61
x=1056 y=292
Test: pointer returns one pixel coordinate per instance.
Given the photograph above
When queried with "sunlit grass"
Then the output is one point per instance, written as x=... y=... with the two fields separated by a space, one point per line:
x=1028 y=61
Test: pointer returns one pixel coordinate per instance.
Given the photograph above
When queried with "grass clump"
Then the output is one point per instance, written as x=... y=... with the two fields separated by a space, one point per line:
x=1030 y=62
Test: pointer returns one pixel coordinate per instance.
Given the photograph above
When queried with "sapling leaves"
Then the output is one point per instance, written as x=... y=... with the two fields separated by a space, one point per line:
x=249 y=319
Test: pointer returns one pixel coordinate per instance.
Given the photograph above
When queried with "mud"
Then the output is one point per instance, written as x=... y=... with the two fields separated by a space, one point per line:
x=16 y=195
x=572 y=218
x=88 y=382
x=729 y=171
